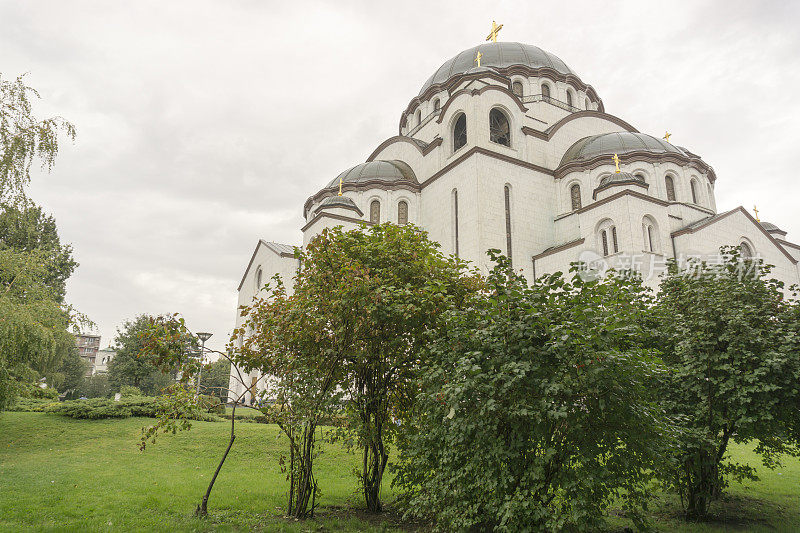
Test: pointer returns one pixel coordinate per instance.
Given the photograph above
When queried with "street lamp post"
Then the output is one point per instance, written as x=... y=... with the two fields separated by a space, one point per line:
x=203 y=338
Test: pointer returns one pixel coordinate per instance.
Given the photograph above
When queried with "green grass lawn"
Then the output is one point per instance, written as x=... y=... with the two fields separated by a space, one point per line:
x=59 y=474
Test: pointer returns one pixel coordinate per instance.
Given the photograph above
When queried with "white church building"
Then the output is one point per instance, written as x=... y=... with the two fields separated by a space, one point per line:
x=506 y=147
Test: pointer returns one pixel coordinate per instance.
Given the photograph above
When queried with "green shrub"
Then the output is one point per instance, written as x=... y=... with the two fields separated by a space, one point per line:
x=93 y=409
x=31 y=405
x=211 y=404
x=29 y=390
x=130 y=390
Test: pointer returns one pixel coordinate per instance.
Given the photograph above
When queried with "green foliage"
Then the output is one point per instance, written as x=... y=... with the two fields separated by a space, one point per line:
x=216 y=378
x=536 y=409
x=95 y=386
x=24 y=138
x=726 y=333
x=30 y=390
x=128 y=390
x=350 y=334
x=26 y=228
x=31 y=405
x=132 y=365
x=99 y=408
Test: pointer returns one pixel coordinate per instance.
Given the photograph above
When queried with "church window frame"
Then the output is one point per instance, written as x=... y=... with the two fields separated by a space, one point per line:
x=507 y=201
x=575 y=197
x=746 y=250
x=259 y=277
x=517 y=88
x=546 y=91
x=460 y=132
x=454 y=219
x=499 y=127
x=437 y=104
x=569 y=98
x=418 y=117
x=587 y=104
x=669 y=185
x=693 y=187
x=650 y=235
x=375 y=211
x=607 y=237
x=402 y=212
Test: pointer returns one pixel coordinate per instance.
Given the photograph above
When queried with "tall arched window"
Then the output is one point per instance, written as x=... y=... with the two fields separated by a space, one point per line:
x=460 y=132
x=259 y=278
x=614 y=239
x=670 y=184
x=745 y=252
x=575 y=196
x=607 y=237
x=587 y=103
x=375 y=212
x=454 y=208
x=693 y=186
x=569 y=98
x=545 y=90
x=418 y=116
x=507 y=193
x=499 y=130
x=710 y=197
x=436 y=105
x=604 y=241
x=650 y=235
x=402 y=212
x=516 y=88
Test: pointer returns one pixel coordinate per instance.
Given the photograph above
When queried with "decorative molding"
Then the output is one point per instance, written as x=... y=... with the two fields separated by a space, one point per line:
x=489 y=153
x=713 y=220
x=478 y=92
x=589 y=113
x=335 y=217
x=349 y=207
x=637 y=156
x=602 y=188
x=392 y=140
x=560 y=248
x=435 y=143
x=360 y=186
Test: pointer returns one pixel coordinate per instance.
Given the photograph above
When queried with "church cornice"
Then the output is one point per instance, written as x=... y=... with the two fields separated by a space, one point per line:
x=334 y=216
x=475 y=150
x=547 y=134
x=504 y=76
x=403 y=138
x=637 y=156
x=360 y=186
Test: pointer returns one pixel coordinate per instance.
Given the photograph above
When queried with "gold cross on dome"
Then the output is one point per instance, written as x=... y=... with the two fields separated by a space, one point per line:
x=340 y=185
x=495 y=30
x=478 y=58
x=755 y=210
x=667 y=135
x=616 y=162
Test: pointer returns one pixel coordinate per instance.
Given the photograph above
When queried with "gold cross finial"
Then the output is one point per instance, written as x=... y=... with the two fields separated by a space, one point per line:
x=616 y=162
x=755 y=210
x=478 y=58
x=340 y=185
x=495 y=30
x=667 y=135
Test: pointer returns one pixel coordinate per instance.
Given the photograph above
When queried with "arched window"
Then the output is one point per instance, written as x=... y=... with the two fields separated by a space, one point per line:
x=418 y=116
x=545 y=91
x=454 y=208
x=710 y=197
x=507 y=193
x=402 y=212
x=575 y=196
x=375 y=212
x=693 y=186
x=460 y=132
x=670 y=184
x=259 y=278
x=745 y=252
x=587 y=104
x=650 y=235
x=516 y=88
x=499 y=130
x=614 y=238
x=604 y=240
x=436 y=105
x=569 y=98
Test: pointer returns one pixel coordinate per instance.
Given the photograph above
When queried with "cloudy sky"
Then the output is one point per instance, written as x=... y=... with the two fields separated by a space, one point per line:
x=203 y=126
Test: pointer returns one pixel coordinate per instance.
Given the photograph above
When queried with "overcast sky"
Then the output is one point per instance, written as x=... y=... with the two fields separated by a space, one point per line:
x=203 y=126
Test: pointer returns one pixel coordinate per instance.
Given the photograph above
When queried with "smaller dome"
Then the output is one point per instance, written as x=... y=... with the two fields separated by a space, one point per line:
x=772 y=228
x=617 y=143
x=337 y=201
x=619 y=177
x=383 y=171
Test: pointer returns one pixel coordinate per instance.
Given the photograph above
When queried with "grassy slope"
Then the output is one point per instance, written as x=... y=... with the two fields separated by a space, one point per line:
x=57 y=473
x=62 y=474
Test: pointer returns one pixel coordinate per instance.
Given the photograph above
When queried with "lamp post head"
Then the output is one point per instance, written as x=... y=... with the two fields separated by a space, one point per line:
x=204 y=336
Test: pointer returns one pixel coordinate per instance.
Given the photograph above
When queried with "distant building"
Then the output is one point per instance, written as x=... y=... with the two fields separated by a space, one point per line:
x=102 y=359
x=88 y=345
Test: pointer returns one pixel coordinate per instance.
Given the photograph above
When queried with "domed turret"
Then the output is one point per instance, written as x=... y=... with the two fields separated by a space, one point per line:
x=617 y=143
x=375 y=171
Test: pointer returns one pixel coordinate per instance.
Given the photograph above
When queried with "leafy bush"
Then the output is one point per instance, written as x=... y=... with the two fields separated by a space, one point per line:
x=94 y=387
x=536 y=410
x=93 y=409
x=29 y=390
x=31 y=405
x=129 y=390
x=211 y=404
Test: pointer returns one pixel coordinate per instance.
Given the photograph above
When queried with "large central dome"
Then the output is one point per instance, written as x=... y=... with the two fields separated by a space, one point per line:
x=498 y=55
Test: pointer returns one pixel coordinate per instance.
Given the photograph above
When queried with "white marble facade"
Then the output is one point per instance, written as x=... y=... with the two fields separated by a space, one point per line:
x=515 y=183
